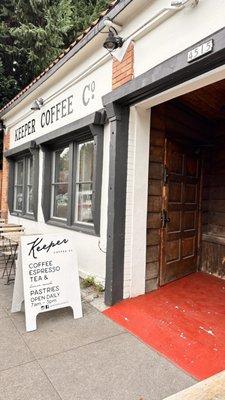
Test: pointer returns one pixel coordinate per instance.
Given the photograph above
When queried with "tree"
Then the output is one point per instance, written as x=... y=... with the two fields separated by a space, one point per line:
x=34 y=32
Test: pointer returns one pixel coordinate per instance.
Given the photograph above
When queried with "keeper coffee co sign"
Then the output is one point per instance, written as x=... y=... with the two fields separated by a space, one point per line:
x=48 y=117
x=62 y=105
x=47 y=277
x=75 y=103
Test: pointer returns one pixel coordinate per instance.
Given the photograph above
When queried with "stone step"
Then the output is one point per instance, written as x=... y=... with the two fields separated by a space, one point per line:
x=212 y=388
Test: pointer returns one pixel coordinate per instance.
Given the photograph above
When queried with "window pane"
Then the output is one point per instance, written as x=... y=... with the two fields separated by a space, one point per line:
x=30 y=199
x=61 y=165
x=19 y=173
x=18 y=199
x=60 y=201
x=85 y=167
x=84 y=202
x=30 y=171
x=29 y=180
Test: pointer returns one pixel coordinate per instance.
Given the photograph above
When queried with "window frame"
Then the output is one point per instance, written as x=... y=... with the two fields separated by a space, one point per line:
x=54 y=184
x=19 y=185
x=76 y=183
x=69 y=222
x=31 y=151
x=92 y=132
x=29 y=183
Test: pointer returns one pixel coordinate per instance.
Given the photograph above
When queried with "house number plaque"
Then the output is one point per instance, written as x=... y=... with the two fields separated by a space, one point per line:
x=199 y=51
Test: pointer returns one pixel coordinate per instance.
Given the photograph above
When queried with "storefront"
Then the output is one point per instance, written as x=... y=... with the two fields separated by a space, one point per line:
x=136 y=173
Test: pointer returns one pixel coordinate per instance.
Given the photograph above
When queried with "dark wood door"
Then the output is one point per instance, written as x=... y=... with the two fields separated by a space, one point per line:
x=179 y=234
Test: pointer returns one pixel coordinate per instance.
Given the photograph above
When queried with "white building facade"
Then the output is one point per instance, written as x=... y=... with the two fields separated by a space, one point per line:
x=81 y=161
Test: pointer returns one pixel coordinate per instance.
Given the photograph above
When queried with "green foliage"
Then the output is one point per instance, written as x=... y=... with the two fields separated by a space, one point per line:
x=34 y=32
x=89 y=281
x=99 y=287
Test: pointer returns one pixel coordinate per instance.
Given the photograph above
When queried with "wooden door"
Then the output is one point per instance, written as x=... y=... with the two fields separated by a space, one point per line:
x=179 y=234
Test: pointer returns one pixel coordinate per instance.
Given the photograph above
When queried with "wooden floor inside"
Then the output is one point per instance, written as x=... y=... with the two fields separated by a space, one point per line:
x=183 y=320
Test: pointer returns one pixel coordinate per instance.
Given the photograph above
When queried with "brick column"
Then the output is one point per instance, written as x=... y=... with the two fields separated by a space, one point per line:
x=5 y=176
x=123 y=71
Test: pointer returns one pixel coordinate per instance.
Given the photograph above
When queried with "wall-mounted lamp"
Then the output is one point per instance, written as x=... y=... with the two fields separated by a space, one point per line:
x=2 y=127
x=113 y=41
x=37 y=104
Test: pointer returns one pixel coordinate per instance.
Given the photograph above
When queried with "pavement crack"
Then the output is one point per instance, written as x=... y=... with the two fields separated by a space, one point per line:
x=83 y=345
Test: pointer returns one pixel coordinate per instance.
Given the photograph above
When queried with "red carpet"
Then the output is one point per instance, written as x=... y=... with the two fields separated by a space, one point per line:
x=184 y=320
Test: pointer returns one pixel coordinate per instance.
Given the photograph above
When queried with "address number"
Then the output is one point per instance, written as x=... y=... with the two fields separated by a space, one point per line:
x=200 y=51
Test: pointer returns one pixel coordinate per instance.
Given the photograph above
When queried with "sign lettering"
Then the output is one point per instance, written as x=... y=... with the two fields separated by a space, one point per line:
x=88 y=93
x=56 y=112
x=25 y=130
x=59 y=110
x=46 y=277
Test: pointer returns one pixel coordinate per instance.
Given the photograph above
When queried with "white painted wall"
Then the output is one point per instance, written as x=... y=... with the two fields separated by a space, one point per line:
x=70 y=80
x=91 y=259
x=136 y=202
x=178 y=32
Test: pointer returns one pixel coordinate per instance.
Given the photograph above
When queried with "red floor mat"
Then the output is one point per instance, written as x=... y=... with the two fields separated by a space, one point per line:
x=184 y=320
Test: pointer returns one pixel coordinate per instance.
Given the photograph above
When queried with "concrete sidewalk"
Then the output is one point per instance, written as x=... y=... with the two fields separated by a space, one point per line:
x=87 y=359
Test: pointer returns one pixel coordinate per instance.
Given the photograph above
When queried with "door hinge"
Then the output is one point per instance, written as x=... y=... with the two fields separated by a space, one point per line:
x=164 y=218
x=165 y=175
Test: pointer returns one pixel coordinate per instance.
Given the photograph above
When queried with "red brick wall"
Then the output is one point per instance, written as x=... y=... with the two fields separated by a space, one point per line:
x=5 y=175
x=123 y=71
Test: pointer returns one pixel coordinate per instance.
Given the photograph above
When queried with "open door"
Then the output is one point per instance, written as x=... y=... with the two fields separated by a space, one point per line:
x=179 y=233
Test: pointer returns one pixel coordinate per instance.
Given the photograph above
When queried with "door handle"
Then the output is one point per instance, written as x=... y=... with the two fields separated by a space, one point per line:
x=164 y=218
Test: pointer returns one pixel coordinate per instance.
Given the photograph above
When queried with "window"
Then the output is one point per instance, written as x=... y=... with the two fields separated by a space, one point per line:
x=72 y=170
x=60 y=182
x=84 y=183
x=18 y=194
x=29 y=186
x=72 y=183
x=23 y=186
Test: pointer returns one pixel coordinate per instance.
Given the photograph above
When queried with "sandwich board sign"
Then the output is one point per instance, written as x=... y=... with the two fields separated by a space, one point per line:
x=46 y=277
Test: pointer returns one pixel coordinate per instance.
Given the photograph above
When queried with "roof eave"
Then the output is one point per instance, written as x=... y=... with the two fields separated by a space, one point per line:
x=86 y=39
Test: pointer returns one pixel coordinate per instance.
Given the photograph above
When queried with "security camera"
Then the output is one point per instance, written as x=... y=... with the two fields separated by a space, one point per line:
x=113 y=41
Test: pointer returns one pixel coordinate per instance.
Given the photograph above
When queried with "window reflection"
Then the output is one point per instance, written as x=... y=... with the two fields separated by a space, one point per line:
x=60 y=183
x=84 y=183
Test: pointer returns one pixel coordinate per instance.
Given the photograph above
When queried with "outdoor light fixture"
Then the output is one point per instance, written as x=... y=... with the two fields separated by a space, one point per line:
x=37 y=104
x=113 y=41
x=2 y=127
